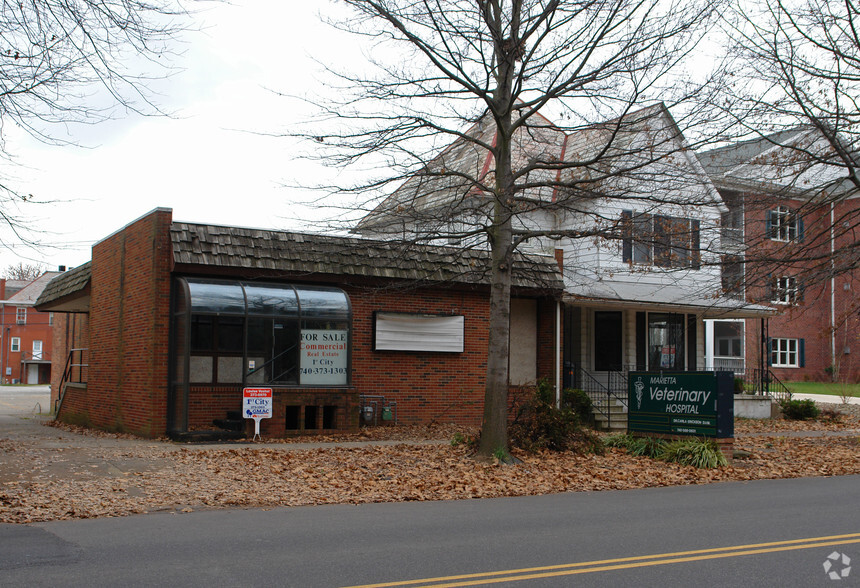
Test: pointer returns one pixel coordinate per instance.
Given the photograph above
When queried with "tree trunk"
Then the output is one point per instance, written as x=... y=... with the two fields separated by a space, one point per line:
x=494 y=433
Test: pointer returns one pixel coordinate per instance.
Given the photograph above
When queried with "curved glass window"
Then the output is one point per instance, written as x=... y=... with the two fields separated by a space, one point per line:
x=326 y=303
x=272 y=299
x=261 y=333
x=216 y=297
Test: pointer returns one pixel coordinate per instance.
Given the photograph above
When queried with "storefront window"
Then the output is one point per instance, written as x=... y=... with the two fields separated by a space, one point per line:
x=262 y=333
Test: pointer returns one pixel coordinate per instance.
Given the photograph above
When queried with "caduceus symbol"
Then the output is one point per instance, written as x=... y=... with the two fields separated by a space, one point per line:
x=640 y=388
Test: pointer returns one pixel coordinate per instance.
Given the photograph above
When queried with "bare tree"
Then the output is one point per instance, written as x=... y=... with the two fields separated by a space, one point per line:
x=798 y=65
x=24 y=271
x=451 y=114
x=790 y=174
x=67 y=62
x=794 y=98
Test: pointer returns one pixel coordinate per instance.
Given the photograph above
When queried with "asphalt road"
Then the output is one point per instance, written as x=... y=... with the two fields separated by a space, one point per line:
x=488 y=541
x=24 y=400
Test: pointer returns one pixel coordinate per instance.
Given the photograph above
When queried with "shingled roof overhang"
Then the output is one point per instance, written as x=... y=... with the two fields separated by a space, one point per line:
x=68 y=292
x=266 y=253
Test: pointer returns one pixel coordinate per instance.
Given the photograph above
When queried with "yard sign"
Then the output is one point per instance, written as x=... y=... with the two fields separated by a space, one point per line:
x=257 y=405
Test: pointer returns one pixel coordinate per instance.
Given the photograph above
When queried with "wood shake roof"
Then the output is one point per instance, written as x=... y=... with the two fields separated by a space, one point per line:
x=299 y=253
x=70 y=284
x=294 y=255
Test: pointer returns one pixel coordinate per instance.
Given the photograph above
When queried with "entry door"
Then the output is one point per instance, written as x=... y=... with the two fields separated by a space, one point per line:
x=33 y=374
x=608 y=337
x=37 y=349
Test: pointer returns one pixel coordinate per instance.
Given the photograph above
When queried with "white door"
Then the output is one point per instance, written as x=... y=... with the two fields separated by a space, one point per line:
x=37 y=350
x=32 y=374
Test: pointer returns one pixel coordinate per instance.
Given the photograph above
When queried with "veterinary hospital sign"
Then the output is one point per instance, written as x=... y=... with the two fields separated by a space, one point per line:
x=681 y=403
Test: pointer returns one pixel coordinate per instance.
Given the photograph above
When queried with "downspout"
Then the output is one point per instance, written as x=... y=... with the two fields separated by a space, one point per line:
x=834 y=375
x=559 y=259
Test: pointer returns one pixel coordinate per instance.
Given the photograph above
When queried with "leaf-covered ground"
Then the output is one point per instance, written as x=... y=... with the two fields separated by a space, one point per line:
x=48 y=483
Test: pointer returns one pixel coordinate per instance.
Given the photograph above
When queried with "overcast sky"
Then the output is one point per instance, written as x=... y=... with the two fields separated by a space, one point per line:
x=202 y=163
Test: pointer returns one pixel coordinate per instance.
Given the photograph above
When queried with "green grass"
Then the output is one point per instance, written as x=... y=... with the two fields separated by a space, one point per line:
x=829 y=388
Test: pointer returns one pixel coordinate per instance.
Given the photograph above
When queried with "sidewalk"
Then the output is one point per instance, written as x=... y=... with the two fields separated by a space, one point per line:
x=825 y=398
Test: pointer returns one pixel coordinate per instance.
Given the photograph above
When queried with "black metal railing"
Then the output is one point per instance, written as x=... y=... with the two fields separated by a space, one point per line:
x=759 y=382
x=603 y=394
x=75 y=372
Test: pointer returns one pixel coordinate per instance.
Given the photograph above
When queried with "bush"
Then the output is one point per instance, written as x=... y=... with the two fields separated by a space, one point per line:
x=580 y=403
x=739 y=385
x=799 y=410
x=638 y=446
x=700 y=453
x=538 y=425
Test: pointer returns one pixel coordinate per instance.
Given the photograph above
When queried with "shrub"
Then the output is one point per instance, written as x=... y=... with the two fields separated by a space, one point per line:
x=700 y=453
x=799 y=410
x=538 y=424
x=829 y=414
x=579 y=402
x=739 y=385
x=638 y=446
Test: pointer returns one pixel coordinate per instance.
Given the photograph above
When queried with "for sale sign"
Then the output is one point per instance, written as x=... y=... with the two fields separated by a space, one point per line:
x=257 y=405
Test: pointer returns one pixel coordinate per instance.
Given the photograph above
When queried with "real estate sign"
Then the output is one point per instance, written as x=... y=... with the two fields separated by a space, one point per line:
x=323 y=357
x=681 y=403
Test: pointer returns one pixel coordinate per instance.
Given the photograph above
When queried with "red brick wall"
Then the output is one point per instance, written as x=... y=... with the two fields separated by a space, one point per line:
x=129 y=335
x=36 y=327
x=71 y=331
x=427 y=387
x=827 y=311
x=129 y=322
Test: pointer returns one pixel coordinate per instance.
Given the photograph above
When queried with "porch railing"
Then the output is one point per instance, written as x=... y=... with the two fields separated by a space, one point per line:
x=761 y=383
x=603 y=395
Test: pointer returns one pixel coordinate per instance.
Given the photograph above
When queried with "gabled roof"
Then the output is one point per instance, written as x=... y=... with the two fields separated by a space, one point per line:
x=297 y=254
x=723 y=160
x=67 y=292
x=788 y=162
x=28 y=294
x=451 y=182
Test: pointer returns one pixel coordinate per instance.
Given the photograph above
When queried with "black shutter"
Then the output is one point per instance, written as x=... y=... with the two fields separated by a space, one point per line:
x=768 y=224
x=627 y=236
x=769 y=351
x=641 y=342
x=801 y=353
x=695 y=245
x=691 y=342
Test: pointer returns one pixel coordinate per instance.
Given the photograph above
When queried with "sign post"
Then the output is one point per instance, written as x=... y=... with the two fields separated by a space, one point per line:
x=257 y=405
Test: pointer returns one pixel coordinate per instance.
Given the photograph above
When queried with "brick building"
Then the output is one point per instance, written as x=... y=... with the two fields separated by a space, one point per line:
x=171 y=320
x=794 y=227
x=26 y=353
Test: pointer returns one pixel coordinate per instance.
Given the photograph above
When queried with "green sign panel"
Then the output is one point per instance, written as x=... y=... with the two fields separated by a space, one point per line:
x=678 y=403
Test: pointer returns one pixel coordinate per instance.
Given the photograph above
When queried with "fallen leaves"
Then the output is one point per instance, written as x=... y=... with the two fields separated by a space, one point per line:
x=158 y=477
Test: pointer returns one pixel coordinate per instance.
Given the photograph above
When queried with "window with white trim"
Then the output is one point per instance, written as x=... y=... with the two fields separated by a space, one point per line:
x=782 y=224
x=15 y=344
x=21 y=315
x=785 y=352
x=784 y=290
